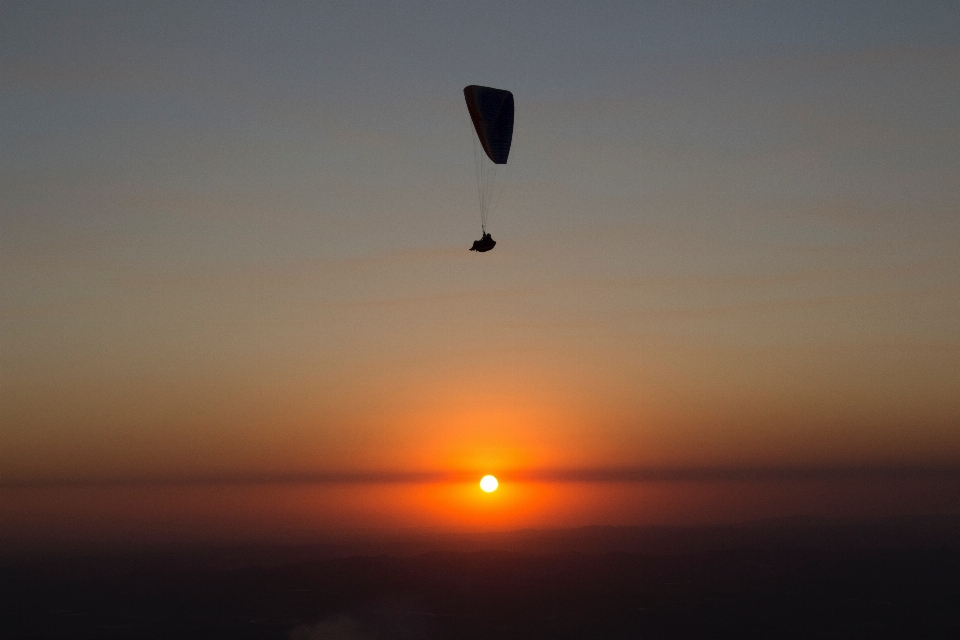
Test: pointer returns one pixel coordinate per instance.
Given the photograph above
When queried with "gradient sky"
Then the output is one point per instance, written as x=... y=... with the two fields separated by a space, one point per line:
x=233 y=250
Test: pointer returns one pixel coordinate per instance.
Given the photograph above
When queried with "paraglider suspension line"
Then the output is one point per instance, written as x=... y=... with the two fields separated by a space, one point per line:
x=487 y=193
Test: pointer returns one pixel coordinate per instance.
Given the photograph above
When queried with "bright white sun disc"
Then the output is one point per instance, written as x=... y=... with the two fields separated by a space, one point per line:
x=489 y=483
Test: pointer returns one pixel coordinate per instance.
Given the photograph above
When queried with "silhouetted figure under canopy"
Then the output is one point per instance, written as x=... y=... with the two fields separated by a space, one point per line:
x=484 y=244
x=491 y=112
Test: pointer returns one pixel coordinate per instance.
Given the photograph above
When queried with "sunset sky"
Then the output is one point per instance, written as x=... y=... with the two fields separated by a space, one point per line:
x=237 y=298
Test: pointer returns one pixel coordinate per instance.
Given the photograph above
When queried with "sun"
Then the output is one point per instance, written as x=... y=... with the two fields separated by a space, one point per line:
x=489 y=484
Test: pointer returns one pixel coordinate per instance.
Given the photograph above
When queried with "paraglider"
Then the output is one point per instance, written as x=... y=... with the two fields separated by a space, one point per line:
x=491 y=111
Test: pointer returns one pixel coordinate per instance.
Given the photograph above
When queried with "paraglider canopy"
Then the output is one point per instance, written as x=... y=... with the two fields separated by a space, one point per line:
x=492 y=113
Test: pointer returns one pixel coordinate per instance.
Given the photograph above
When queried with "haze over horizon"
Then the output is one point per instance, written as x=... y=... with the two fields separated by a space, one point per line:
x=237 y=298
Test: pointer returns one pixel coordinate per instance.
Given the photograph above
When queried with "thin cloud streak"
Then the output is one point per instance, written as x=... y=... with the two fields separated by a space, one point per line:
x=560 y=475
x=739 y=281
x=787 y=305
x=396 y=302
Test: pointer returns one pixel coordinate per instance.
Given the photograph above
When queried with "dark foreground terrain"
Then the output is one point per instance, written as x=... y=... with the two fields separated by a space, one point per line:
x=892 y=579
